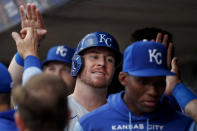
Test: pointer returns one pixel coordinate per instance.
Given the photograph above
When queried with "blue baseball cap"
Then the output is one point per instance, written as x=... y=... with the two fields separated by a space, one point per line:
x=146 y=59
x=5 y=79
x=60 y=53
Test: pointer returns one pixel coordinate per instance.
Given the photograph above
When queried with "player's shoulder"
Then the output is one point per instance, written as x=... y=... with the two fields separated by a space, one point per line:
x=99 y=113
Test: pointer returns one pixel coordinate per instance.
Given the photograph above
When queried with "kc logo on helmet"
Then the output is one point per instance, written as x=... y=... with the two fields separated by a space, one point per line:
x=107 y=40
x=61 y=51
x=153 y=54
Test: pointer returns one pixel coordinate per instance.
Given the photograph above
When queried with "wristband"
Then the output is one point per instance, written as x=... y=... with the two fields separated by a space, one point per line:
x=183 y=95
x=19 y=60
x=32 y=61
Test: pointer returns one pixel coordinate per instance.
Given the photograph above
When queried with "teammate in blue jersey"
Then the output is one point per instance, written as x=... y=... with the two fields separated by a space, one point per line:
x=142 y=106
x=188 y=103
x=7 y=122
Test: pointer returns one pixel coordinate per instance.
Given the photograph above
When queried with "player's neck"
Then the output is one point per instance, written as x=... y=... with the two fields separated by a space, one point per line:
x=90 y=98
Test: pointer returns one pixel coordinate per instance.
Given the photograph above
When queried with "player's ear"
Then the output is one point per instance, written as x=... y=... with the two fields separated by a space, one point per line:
x=123 y=78
x=19 y=121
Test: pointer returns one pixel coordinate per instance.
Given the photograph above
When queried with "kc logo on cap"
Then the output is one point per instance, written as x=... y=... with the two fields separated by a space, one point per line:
x=61 y=53
x=146 y=59
x=61 y=50
x=155 y=55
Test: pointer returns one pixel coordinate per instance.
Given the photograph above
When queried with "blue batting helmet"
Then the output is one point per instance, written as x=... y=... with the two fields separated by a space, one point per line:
x=95 y=39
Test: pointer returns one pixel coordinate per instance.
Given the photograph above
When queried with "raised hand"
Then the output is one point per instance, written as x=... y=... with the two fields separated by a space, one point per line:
x=33 y=19
x=169 y=46
x=27 y=45
x=171 y=81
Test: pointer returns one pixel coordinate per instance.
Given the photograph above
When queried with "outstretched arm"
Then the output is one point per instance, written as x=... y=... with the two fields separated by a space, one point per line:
x=34 y=20
x=16 y=69
x=28 y=50
x=183 y=95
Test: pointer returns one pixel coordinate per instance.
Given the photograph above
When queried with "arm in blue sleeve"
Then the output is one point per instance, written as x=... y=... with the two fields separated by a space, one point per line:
x=78 y=127
x=19 y=60
x=183 y=95
x=32 y=66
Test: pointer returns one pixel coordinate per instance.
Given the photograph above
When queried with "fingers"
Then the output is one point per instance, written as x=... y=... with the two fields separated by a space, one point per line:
x=23 y=33
x=27 y=32
x=23 y=17
x=165 y=40
x=40 y=19
x=16 y=37
x=29 y=11
x=34 y=15
x=159 y=37
x=34 y=20
x=42 y=32
x=162 y=39
x=22 y=13
x=169 y=54
x=175 y=68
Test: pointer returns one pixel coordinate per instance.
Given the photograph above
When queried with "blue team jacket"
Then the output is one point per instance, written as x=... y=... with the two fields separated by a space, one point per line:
x=7 y=121
x=115 y=116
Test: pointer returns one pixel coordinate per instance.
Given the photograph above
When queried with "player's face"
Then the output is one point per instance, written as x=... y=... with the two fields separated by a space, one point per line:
x=62 y=70
x=99 y=66
x=142 y=94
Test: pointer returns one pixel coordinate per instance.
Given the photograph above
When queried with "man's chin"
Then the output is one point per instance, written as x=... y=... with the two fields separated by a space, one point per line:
x=150 y=109
x=99 y=85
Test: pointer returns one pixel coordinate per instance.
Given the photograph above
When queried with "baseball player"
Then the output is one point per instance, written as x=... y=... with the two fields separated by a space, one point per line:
x=58 y=62
x=142 y=106
x=7 y=122
x=93 y=65
x=175 y=88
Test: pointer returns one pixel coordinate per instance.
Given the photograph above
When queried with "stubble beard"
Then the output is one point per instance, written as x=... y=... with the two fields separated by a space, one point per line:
x=94 y=84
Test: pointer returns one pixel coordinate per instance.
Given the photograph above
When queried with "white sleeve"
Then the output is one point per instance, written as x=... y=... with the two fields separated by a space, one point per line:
x=78 y=127
x=29 y=72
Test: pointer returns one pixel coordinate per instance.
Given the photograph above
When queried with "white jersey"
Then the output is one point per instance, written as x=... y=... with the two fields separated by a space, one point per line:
x=77 y=111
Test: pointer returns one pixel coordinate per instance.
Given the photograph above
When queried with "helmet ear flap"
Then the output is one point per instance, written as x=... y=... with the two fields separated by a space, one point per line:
x=76 y=64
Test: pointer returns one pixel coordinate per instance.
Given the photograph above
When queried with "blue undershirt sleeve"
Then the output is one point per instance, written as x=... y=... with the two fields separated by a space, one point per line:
x=32 y=66
x=183 y=95
x=19 y=60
